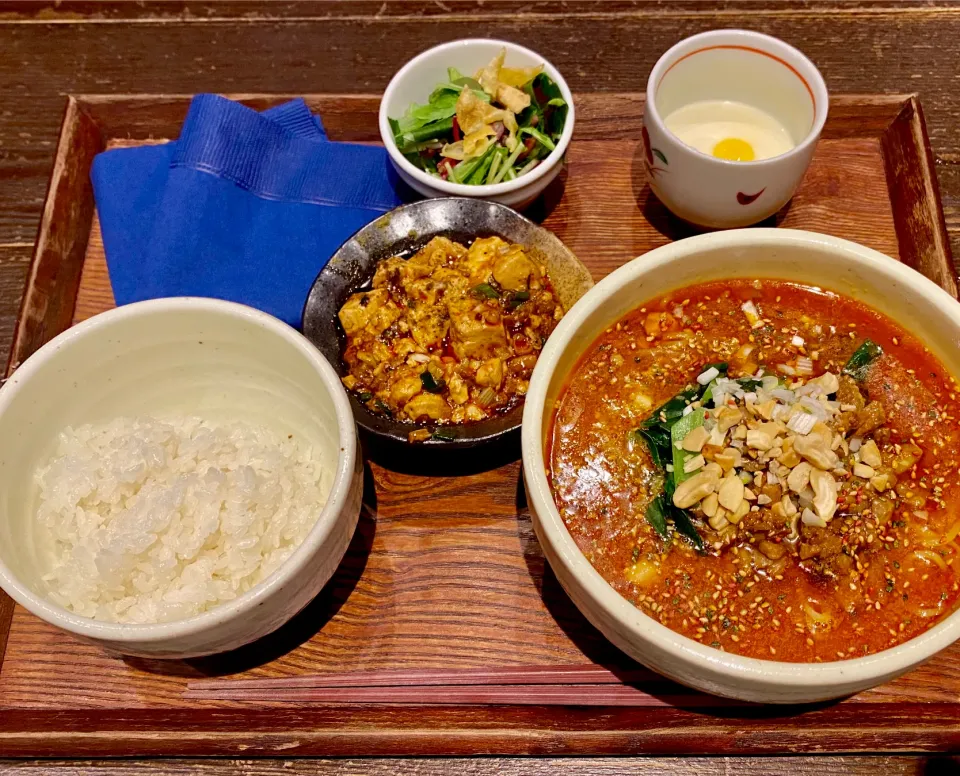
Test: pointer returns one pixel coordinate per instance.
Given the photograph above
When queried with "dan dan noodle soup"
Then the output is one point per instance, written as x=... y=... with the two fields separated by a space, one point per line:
x=770 y=469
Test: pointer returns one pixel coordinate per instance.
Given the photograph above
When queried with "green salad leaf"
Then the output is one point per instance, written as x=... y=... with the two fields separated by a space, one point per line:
x=442 y=105
x=423 y=128
x=551 y=106
x=409 y=141
x=430 y=121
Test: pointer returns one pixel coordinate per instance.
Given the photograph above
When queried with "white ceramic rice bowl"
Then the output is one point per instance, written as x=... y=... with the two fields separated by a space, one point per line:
x=815 y=259
x=217 y=360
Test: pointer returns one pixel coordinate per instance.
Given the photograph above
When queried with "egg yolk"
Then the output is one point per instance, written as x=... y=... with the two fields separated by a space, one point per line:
x=734 y=149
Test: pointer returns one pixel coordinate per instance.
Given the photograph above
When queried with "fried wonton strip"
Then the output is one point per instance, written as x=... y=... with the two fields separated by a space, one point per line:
x=477 y=142
x=518 y=76
x=512 y=98
x=474 y=114
x=489 y=77
x=510 y=122
x=453 y=151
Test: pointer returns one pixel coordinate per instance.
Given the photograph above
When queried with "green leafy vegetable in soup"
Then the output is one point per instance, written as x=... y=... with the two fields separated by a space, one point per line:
x=769 y=469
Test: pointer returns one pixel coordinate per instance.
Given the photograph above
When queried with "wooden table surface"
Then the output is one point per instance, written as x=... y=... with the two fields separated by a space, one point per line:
x=49 y=50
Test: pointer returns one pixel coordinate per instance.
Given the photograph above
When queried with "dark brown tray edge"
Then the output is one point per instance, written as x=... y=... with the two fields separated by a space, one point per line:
x=57 y=261
x=917 y=212
x=58 y=256
x=55 y=271
x=531 y=730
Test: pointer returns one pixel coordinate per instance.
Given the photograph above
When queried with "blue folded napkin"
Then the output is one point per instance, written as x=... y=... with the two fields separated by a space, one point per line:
x=244 y=206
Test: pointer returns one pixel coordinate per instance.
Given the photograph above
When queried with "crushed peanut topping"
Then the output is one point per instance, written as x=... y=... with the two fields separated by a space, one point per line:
x=806 y=503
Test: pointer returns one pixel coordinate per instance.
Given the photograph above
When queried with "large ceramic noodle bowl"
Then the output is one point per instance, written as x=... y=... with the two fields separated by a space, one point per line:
x=739 y=453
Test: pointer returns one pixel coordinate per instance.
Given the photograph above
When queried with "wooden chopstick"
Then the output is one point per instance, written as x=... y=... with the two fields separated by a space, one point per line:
x=507 y=675
x=462 y=695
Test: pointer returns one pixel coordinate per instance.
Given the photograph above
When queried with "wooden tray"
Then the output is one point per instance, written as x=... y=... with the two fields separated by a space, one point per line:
x=444 y=571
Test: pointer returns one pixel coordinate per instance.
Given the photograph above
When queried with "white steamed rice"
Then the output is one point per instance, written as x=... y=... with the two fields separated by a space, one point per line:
x=153 y=521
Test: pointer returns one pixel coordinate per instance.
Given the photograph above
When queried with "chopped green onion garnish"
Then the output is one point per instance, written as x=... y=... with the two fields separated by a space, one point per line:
x=517 y=298
x=430 y=383
x=485 y=291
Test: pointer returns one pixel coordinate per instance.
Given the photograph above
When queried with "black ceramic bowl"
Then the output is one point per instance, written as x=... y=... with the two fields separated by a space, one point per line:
x=404 y=231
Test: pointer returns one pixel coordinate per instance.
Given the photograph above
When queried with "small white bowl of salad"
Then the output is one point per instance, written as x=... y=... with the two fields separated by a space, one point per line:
x=478 y=118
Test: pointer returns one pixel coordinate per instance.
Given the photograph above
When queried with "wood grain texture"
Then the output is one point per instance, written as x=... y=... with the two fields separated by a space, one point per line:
x=49 y=300
x=914 y=198
x=294 y=47
x=212 y=11
x=602 y=209
x=355 y=46
x=425 y=730
x=574 y=766
x=14 y=268
x=844 y=194
x=444 y=571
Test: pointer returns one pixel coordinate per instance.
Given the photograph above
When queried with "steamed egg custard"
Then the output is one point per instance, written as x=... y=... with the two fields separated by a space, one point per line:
x=729 y=130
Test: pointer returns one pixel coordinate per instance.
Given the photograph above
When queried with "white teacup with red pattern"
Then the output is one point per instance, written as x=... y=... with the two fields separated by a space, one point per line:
x=733 y=67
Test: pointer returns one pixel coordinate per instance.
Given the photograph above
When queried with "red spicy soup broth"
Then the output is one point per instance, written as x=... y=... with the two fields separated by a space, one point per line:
x=894 y=568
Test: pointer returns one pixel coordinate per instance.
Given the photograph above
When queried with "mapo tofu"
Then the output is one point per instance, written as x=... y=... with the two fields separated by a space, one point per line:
x=449 y=335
